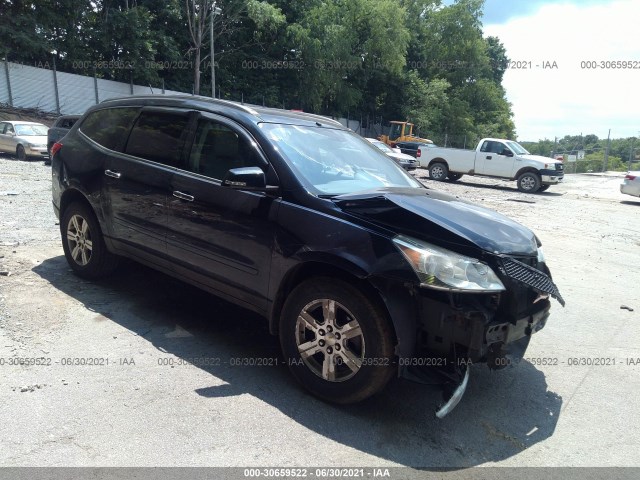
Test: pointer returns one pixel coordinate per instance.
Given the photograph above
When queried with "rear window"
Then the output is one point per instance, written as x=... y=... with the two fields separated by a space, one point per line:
x=109 y=127
x=66 y=122
x=159 y=137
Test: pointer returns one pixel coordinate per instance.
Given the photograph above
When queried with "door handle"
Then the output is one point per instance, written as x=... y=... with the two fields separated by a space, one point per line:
x=488 y=157
x=112 y=174
x=183 y=196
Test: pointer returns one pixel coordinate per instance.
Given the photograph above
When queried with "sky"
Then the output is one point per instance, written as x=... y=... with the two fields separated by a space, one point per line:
x=569 y=99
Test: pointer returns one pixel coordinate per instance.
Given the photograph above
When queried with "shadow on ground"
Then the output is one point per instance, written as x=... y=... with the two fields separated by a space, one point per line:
x=501 y=186
x=502 y=413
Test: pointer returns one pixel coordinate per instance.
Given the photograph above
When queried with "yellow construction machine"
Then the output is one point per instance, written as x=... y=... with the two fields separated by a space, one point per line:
x=401 y=132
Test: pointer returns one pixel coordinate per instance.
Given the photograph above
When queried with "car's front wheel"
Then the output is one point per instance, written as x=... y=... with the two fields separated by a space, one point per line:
x=20 y=153
x=529 y=182
x=83 y=243
x=337 y=341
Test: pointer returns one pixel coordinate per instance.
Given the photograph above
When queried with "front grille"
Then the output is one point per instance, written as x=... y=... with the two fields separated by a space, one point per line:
x=529 y=276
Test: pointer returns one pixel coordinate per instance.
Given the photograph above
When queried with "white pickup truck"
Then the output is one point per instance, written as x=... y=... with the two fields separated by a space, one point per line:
x=496 y=158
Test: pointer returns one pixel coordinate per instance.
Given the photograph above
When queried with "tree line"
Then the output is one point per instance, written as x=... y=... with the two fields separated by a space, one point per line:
x=621 y=153
x=419 y=60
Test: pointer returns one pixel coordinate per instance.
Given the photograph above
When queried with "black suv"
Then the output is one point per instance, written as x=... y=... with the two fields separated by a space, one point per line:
x=361 y=270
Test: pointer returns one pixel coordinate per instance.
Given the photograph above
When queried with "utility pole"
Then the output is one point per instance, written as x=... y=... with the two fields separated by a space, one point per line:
x=606 y=153
x=633 y=139
x=214 y=11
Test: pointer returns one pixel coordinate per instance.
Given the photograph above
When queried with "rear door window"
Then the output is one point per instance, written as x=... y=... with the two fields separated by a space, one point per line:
x=109 y=127
x=159 y=136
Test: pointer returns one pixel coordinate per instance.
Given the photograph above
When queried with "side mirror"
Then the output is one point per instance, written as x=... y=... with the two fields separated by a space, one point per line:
x=507 y=153
x=247 y=178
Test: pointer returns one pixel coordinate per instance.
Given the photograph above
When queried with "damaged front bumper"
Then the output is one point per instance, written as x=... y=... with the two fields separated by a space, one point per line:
x=457 y=330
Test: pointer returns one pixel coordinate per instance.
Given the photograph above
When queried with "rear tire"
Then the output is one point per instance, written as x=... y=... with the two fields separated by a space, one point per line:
x=338 y=343
x=438 y=171
x=83 y=243
x=529 y=182
x=20 y=153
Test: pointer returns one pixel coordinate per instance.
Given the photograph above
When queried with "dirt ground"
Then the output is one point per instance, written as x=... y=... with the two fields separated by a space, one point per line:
x=141 y=370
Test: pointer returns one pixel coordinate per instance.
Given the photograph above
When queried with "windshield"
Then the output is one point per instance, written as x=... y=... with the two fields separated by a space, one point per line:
x=336 y=162
x=517 y=148
x=30 y=130
x=396 y=131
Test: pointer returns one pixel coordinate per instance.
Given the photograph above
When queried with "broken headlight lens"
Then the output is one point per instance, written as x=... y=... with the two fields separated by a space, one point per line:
x=446 y=270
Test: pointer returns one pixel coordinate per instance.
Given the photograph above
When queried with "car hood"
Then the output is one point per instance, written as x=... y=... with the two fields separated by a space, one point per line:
x=34 y=139
x=540 y=158
x=441 y=219
x=401 y=156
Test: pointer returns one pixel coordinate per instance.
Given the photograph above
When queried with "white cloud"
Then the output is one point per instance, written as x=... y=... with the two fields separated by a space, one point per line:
x=571 y=100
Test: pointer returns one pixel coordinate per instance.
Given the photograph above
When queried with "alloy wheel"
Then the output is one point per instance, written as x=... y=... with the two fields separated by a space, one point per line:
x=79 y=240
x=330 y=340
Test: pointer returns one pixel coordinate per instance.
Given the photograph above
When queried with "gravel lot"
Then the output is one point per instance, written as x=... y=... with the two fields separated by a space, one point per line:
x=148 y=406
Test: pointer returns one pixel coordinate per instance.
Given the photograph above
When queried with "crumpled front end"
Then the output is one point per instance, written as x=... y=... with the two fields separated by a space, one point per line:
x=457 y=330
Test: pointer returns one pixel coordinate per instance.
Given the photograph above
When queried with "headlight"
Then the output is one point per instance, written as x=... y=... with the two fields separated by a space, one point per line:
x=541 y=258
x=445 y=270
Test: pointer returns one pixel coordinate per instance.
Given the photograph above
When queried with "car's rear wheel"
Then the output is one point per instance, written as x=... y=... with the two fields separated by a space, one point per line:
x=337 y=341
x=529 y=182
x=83 y=243
x=20 y=153
x=438 y=171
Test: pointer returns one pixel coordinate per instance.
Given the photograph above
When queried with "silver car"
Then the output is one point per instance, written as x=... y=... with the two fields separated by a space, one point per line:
x=631 y=184
x=23 y=139
x=405 y=161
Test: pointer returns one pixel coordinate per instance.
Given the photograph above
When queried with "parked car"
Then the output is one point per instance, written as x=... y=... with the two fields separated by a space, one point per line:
x=405 y=161
x=23 y=139
x=59 y=130
x=362 y=272
x=415 y=149
x=497 y=158
x=631 y=184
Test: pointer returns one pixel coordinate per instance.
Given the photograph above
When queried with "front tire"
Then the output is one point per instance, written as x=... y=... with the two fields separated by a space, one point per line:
x=529 y=182
x=337 y=341
x=438 y=171
x=83 y=243
x=20 y=153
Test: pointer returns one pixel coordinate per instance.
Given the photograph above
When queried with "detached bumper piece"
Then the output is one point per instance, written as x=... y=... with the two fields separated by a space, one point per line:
x=529 y=276
x=454 y=396
x=453 y=383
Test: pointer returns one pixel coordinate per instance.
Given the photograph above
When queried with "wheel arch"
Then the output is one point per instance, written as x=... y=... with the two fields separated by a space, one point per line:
x=525 y=170
x=438 y=160
x=72 y=195
x=342 y=270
